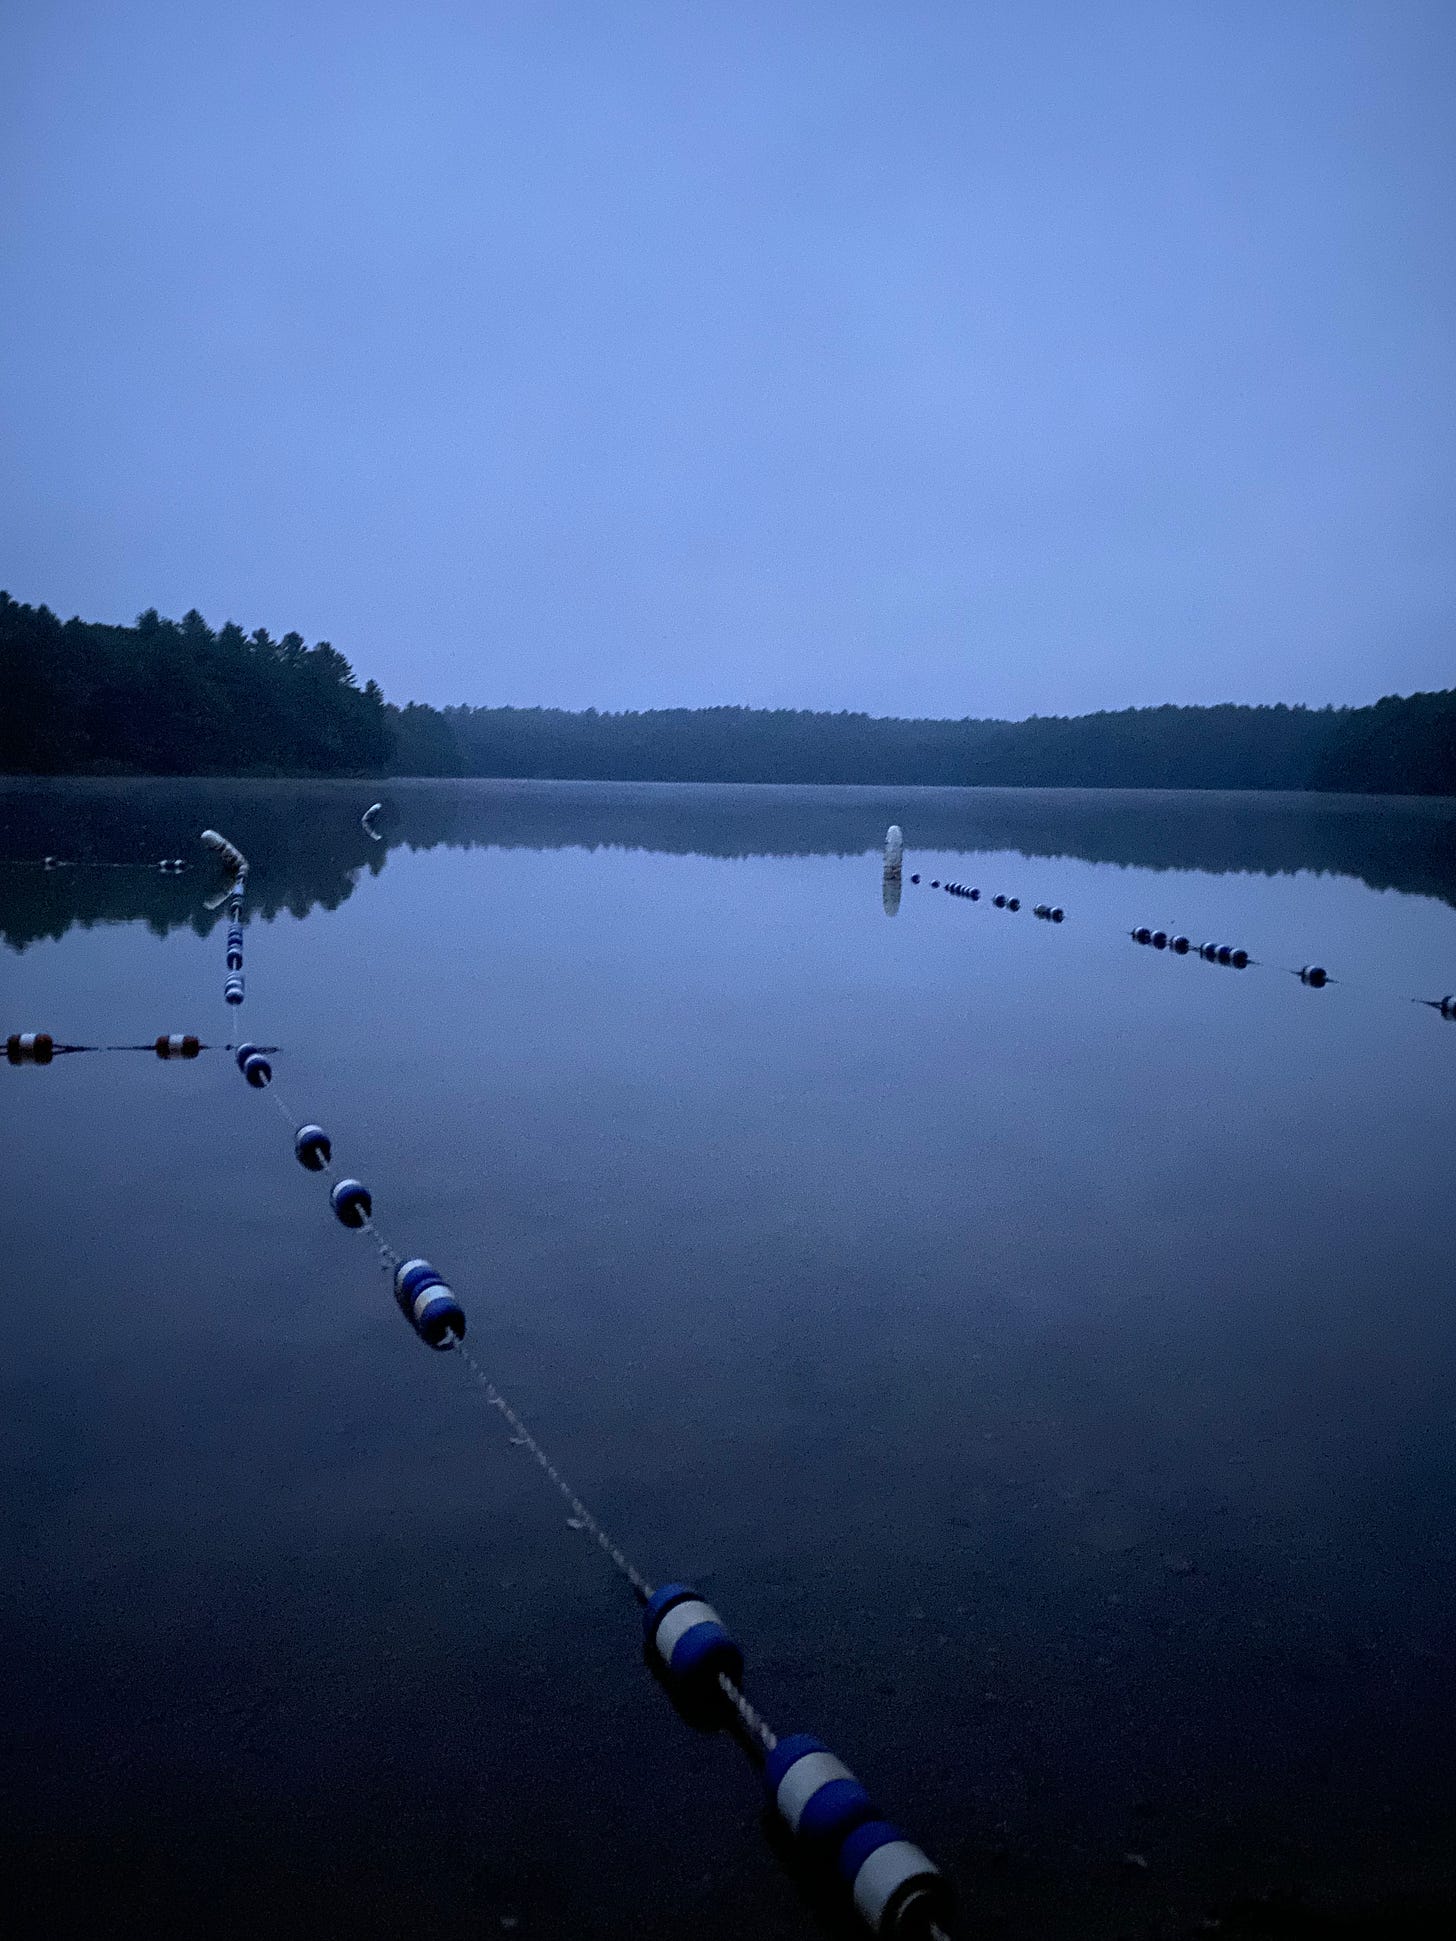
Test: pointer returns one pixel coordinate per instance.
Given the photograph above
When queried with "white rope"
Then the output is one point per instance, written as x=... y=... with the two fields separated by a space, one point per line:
x=754 y=1723
x=581 y=1516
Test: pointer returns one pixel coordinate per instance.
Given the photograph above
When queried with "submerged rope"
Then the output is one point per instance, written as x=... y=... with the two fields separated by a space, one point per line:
x=581 y=1516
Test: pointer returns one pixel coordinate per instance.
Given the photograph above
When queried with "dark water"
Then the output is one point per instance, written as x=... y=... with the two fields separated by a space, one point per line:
x=1040 y=1348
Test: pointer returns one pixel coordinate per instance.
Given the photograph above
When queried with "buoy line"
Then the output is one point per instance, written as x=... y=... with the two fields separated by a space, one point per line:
x=1314 y=976
x=165 y=865
x=834 y=1827
x=39 y=1047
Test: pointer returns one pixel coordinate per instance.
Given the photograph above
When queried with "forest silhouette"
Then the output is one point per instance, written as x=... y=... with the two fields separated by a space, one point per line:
x=172 y=697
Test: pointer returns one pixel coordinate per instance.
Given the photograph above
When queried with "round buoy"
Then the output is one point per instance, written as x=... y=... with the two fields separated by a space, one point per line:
x=1208 y=952
x=1315 y=975
x=915 y=878
x=352 y=1202
x=1225 y=954
x=1180 y=944
x=999 y=901
x=1239 y=959
x=233 y=990
x=257 y=1071
x=1160 y=940
x=1142 y=935
x=428 y=1304
x=313 y=1147
x=1058 y=913
x=1013 y=902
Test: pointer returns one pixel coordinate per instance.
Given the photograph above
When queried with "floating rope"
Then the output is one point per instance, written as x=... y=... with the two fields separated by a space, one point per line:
x=39 y=1047
x=234 y=860
x=1051 y=913
x=1313 y=976
x=581 y=1516
x=167 y=865
x=897 y=1890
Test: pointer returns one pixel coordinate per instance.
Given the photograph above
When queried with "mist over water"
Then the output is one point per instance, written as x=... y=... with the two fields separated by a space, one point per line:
x=1040 y=1350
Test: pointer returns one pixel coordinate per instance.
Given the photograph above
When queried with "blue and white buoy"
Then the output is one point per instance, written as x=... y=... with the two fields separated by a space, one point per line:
x=428 y=1304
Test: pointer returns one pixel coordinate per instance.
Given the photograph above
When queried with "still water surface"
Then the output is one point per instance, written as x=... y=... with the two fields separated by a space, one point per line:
x=1040 y=1348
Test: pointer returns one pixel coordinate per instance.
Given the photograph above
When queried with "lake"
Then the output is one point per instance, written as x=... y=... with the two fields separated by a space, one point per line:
x=1040 y=1348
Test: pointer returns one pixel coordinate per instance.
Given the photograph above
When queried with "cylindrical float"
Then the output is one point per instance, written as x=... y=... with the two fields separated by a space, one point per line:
x=226 y=852
x=30 y=1047
x=428 y=1304
x=897 y=1889
x=815 y=1795
x=233 y=990
x=689 y=1641
x=178 y=1044
x=312 y=1147
x=352 y=1202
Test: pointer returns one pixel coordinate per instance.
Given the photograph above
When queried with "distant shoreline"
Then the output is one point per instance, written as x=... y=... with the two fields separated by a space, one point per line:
x=9 y=778
x=381 y=779
x=168 y=698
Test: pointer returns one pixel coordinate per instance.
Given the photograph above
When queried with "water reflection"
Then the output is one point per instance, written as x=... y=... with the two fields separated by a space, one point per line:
x=309 y=839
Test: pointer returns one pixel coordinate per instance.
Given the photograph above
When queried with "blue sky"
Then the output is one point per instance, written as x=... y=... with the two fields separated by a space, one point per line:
x=951 y=359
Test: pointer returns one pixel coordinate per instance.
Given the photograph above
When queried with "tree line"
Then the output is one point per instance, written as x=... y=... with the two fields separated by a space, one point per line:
x=173 y=697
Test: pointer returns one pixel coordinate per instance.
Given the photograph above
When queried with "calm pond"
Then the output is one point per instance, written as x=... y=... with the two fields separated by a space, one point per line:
x=1040 y=1348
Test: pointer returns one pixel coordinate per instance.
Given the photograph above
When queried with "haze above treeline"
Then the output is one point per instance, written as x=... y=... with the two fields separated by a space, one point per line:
x=176 y=698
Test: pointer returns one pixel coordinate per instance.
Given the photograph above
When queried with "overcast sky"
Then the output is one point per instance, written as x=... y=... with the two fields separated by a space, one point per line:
x=986 y=357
